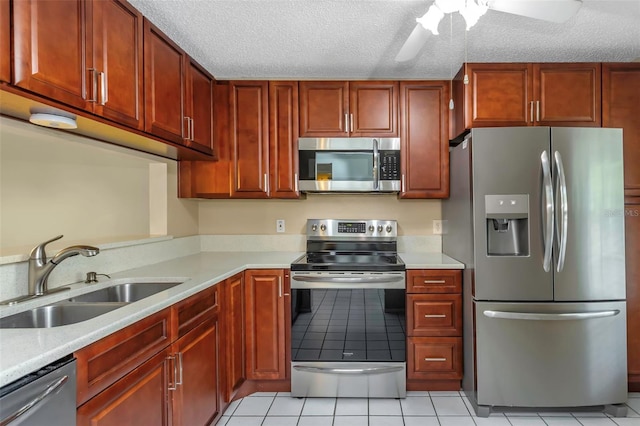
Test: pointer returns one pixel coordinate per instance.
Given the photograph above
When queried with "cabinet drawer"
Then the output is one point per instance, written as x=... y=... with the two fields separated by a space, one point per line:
x=434 y=358
x=434 y=281
x=104 y=362
x=193 y=310
x=434 y=315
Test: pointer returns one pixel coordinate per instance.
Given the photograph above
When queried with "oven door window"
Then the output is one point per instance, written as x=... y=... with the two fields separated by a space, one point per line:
x=348 y=325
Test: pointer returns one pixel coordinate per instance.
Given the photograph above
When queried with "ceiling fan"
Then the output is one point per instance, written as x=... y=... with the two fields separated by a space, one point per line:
x=547 y=10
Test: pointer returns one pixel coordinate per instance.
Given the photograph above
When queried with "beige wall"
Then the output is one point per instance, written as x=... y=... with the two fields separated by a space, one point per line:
x=55 y=183
x=258 y=217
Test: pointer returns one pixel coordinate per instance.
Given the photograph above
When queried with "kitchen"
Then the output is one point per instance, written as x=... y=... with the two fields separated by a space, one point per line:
x=210 y=219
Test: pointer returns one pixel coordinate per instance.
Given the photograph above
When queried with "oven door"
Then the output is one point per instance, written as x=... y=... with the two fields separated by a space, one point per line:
x=348 y=334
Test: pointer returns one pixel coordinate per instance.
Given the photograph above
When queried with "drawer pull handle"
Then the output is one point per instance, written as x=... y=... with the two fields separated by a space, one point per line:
x=434 y=281
x=435 y=316
x=435 y=359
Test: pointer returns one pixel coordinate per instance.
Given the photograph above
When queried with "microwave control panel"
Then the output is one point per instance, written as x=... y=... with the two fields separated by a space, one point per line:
x=389 y=165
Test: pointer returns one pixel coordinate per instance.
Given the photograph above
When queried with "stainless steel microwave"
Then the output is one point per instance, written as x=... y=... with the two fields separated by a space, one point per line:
x=349 y=164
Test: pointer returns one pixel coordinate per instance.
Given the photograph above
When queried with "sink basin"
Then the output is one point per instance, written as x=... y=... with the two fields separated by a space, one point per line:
x=58 y=314
x=128 y=292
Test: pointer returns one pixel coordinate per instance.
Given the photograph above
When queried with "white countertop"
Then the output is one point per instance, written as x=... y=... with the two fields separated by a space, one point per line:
x=25 y=350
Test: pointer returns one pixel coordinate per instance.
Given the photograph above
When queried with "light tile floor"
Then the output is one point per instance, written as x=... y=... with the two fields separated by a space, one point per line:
x=418 y=409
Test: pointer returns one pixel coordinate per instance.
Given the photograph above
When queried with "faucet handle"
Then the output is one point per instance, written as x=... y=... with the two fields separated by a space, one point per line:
x=39 y=253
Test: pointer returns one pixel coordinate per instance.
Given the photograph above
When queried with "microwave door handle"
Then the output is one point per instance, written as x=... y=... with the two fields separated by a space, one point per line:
x=376 y=165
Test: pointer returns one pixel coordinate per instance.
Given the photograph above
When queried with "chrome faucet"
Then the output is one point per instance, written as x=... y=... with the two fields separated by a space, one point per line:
x=40 y=269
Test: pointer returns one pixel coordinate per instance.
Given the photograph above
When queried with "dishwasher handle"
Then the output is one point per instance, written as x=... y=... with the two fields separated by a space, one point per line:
x=51 y=389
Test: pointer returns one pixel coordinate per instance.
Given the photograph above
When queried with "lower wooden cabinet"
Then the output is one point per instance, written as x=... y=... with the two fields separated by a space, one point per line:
x=194 y=385
x=632 y=247
x=139 y=398
x=162 y=370
x=265 y=291
x=434 y=329
x=233 y=317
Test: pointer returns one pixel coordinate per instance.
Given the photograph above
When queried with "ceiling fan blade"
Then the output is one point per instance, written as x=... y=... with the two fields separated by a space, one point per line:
x=547 y=10
x=414 y=43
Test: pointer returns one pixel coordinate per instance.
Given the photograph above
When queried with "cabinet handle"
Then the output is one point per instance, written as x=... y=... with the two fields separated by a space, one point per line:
x=280 y=287
x=434 y=281
x=179 y=381
x=295 y=182
x=531 y=111
x=346 y=123
x=173 y=386
x=402 y=189
x=193 y=130
x=103 y=88
x=94 y=85
x=538 y=111
x=351 y=122
x=266 y=183
x=435 y=316
x=435 y=359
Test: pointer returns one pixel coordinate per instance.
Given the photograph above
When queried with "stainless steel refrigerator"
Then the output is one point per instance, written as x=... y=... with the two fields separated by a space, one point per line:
x=536 y=215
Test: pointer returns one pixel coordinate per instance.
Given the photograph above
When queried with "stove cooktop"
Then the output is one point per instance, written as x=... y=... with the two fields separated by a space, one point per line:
x=348 y=262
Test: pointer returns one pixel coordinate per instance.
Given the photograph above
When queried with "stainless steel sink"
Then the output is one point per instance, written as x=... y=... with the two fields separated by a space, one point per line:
x=128 y=292
x=57 y=314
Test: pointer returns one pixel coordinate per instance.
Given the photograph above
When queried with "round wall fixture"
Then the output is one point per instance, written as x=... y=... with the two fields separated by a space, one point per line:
x=54 y=121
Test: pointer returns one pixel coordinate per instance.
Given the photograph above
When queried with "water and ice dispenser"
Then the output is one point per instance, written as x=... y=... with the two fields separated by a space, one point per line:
x=507 y=218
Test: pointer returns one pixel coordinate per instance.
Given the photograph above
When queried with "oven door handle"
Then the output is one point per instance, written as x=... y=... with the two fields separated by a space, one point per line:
x=358 y=371
x=349 y=280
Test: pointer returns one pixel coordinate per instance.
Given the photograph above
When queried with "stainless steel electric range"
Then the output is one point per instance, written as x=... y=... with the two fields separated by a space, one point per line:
x=348 y=332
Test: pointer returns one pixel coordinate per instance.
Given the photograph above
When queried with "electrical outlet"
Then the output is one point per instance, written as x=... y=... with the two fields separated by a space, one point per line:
x=280 y=225
x=437 y=227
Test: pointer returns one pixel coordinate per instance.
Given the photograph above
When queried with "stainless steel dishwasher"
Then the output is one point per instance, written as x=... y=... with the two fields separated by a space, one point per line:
x=45 y=397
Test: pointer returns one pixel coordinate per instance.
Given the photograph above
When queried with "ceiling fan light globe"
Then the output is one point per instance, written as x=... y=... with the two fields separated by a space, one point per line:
x=431 y=19
x=472 y=13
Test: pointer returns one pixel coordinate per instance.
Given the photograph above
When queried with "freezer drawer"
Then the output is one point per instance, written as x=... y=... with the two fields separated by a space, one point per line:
x=551 y=354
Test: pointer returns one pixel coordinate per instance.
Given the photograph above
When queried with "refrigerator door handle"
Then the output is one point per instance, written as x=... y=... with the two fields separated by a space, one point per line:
x=548 y=210
x=550 y=317
x=564 y=212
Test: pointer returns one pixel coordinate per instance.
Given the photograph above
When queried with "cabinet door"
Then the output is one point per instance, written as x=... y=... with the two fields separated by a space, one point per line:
x=424 y=138
x=139 y=398
x=199 y=98
x=283 y=139
x=250 y=139
x=434 y=314
x=234 y=334
x=620 y=100
x=632 y=247
x=434 y=358
x=164 y=64
x=373 y=108
x=498 y=95
x=324 y=108
x=196 y=399
x=5 y=41
x=567 y=94
x=116 y=52
x=265 y=325
x=40 y=28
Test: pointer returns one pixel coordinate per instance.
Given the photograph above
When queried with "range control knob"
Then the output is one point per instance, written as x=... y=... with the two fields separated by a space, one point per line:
x=314 y=227
x=379 y=228
x=389 y=228
x=371 y=228
x=323 y=227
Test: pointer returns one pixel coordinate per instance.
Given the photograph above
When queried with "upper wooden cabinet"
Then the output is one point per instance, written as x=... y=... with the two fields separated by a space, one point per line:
x=424 y=137
x=523 y=94
x=178 y=93
x=354 y=108
x=249 y=138
x=94 y=64
x=5 y=41
x=283 y=139
x=620 y=101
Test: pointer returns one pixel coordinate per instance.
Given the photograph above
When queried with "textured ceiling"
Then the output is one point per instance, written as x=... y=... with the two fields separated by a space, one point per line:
x=359 y=39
